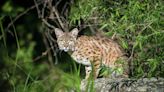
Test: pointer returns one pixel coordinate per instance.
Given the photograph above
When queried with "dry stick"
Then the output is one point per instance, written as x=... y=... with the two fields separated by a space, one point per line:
x=59 y=1
x=17 y=17
x=47 y=47
x=64 y=8
x=21 y=14
x=48 y=24
x=92 y=29
x=58 y=18
x=48 y=3
x=54 y=10
x=43 y=10
x=50 y=39
x=37 y=8
x=94 y=19
x=47 y=52
x=44 y=20
x=43 y=54
x=48 y=35
x=131 y=56
x=114 y=35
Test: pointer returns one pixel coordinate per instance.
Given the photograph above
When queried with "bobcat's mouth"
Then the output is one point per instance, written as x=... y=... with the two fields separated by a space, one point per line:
x=66 y=49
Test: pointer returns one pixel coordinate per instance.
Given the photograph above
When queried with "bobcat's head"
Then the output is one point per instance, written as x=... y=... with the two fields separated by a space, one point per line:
x=66 y=40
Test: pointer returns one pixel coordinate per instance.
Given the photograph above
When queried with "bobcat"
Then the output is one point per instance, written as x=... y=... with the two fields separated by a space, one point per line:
x=93 y=52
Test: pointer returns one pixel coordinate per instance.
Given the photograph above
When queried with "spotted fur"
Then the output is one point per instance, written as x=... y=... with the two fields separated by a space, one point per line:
x=93 y=52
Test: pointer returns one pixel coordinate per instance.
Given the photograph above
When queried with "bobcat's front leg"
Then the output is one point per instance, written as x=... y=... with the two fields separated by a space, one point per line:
x=96 y=69
x=88 y=70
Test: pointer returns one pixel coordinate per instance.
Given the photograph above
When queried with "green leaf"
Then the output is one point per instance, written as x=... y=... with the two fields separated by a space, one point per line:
x=7 y=7
x=124 y=44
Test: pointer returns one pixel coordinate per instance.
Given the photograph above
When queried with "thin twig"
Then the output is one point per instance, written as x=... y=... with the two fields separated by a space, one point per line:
x=92 y=29
x=64 y=8
x=43 y=54
x=21 y=14
x=58 y=2
x=113 y=36
x=47 y=47
x=43 y=9
x=51 y=42
x=37 y=8
x=48 y=24
x=58 y=18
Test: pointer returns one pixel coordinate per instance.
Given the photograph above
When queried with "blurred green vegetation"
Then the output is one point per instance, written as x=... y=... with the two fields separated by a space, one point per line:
x=138 y=25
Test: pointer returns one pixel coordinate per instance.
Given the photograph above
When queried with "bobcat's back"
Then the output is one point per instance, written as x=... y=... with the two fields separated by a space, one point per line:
x=102 y=50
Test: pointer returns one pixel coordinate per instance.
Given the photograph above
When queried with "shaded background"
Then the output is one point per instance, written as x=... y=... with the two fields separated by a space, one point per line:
x=26 y=64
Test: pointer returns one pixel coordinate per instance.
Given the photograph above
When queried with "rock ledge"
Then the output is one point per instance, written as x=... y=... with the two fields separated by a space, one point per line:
x=123 y=85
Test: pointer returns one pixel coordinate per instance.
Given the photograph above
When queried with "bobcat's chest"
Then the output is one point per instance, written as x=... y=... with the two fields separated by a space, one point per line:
x=80 y=54
x=81 y=59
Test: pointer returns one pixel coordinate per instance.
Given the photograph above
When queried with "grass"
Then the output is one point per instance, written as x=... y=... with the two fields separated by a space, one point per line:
x=138 y=26
x=139 y=29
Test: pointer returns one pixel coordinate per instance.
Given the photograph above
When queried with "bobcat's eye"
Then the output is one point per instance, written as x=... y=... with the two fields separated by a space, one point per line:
x=61 y=42
x=71 y=43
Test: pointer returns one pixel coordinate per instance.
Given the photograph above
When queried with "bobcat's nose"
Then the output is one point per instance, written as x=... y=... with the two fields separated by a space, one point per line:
x=65 y=49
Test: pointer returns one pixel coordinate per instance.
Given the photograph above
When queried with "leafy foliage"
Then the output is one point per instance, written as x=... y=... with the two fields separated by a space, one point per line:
x=138 y=25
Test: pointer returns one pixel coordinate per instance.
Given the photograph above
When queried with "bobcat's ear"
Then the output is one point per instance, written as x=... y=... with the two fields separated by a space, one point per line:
x=58 y=32
x=74 y=32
